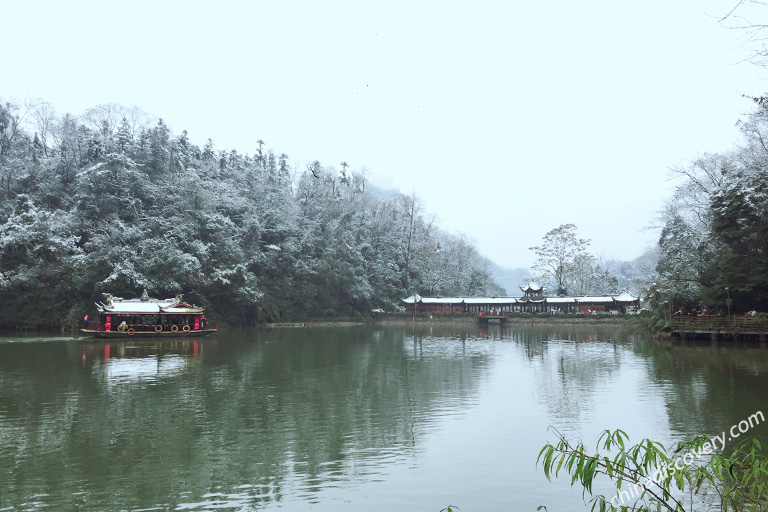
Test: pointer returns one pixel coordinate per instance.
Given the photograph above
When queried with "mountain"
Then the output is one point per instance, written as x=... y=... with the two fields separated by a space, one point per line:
x=509 y=278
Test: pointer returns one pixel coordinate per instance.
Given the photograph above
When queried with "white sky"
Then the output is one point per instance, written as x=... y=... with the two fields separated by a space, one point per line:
x=507 y=118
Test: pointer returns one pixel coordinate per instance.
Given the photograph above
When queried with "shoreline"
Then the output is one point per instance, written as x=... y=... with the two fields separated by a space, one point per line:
x=613 y=320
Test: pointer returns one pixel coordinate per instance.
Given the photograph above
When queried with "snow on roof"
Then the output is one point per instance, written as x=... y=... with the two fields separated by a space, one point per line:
x=625 y=297
x=143 y=308
x=490 y=300
x=442 y=300
x=561 y=300
x=148 y=307
x=183 y=310
x=459 y=300
x=532 y=286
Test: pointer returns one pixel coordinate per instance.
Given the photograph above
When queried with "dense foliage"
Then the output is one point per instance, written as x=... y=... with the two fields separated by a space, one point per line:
x=695 y=476
x=714 y=243
x=114 y=202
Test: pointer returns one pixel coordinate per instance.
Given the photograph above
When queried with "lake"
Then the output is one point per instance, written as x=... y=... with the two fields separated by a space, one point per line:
x=375 y=418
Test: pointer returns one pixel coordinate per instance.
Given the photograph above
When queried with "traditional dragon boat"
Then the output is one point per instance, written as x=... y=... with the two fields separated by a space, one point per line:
x=147 y=318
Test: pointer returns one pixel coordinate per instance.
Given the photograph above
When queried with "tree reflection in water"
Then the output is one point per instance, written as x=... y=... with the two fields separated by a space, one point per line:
x=279 y=417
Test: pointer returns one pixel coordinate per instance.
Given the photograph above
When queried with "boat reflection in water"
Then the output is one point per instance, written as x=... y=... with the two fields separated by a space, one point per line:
x=145 y=360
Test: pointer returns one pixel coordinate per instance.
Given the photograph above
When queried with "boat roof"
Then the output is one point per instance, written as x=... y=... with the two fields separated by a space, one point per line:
x=120 y=306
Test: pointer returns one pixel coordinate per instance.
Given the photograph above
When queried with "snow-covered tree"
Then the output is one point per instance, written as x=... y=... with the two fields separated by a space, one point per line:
x=107 y=203
x=556 y=255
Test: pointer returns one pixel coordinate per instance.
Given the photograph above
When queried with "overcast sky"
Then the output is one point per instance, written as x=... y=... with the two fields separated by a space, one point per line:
x=507 y=118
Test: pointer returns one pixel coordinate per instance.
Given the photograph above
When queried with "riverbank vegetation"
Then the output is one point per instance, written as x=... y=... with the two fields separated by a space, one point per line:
x=713 y=248
x=714 y=241
x=696 y=475
x=113 y=201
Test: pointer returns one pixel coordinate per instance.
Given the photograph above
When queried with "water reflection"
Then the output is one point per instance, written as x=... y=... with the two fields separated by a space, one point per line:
x=355 y=417
x=708 y=387
x=239 y=421
x=143 y=361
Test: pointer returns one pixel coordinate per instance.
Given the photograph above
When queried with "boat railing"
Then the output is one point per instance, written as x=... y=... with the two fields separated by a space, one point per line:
x=92 y=325
x=102 y=327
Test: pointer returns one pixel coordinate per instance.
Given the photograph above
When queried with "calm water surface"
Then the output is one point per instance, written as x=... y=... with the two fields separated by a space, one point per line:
x=350 y=418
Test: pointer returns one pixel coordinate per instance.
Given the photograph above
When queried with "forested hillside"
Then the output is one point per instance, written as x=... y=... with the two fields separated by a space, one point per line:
x=112 y=201
x=714 y=244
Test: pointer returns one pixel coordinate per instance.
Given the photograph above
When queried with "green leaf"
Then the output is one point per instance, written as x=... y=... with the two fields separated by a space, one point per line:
x=559 y=465
x=608 y=466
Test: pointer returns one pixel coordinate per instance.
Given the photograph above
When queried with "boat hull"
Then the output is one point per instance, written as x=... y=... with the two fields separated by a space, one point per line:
x=147 y=334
